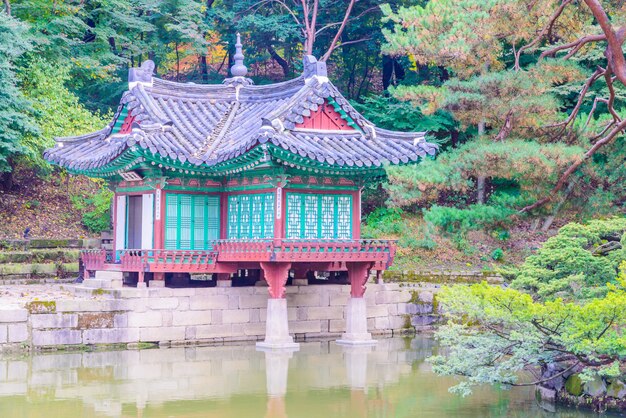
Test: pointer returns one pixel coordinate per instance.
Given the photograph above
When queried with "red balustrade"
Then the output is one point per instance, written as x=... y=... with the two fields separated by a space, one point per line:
x=93 y=259
x=379 y=253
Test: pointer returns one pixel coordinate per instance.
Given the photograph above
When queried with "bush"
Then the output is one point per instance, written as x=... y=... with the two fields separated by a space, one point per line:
x=384 y=221
x=97 y=219
x=453 y=220
x=497 y=254
x=566 y=266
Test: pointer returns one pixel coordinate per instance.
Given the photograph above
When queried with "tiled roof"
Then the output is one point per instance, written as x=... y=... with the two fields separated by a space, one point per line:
x=205 y=125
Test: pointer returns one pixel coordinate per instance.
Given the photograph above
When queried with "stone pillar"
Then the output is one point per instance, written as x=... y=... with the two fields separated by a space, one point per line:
x=276 y=323
x=299 y=277
x=158 y=280
x=224 y=280
x=356 y=309
x=355 y=358
x=141 y=283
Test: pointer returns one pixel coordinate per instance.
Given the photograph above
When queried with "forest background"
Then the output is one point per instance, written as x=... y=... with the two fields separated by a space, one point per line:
x=520 y=96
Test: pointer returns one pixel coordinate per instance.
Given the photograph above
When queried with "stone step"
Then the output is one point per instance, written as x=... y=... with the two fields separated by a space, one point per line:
x=105 y=280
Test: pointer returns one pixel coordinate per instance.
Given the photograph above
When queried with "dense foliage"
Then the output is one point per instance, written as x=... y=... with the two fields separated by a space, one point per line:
x=564 y=313
x=538 y=110
x=493 y=334
x=577 y=263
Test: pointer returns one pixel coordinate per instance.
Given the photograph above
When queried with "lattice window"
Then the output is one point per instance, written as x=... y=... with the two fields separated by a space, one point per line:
x=171 y=221
x=311 y=203
x=344 y=217
x=233 y=217
x=191 y=221
x=317 y=216
x=245 y=215
x=256 y=217
x=294 y=216
x=212 y=218
x=184 y=222
x=328 y=225
x=251 y=216
x=199 y=223
x=268 y=215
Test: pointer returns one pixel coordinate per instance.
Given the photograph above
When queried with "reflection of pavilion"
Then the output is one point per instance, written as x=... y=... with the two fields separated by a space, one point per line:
x=157 y=382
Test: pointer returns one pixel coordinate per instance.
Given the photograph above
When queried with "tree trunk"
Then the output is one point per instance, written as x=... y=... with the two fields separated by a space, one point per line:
x=204 y=69
x=7 y=7
x=534 y=225
x=480 y=180
x=177 y=63
x=480 y=189
x=547 y=223
x=7 y=180
x=151 y=56
x=279 y=60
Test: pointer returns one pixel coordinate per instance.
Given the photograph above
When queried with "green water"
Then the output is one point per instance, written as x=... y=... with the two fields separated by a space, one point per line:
x=320 y=380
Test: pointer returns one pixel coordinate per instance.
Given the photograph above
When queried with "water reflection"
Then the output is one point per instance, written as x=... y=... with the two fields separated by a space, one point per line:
x=321 y=380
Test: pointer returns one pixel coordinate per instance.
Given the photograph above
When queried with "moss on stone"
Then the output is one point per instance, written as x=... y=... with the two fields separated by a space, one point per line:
x=95 y=320
x=407 y=322
x=142 y=346
x=38 y=307
x=574 y=385
x=435 y=304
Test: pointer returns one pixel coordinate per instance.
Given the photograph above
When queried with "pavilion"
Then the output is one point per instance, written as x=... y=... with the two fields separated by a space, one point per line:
x=215 y=179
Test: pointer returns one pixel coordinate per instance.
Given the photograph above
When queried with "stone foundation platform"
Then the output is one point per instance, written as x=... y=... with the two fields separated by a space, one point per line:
x=188 y=316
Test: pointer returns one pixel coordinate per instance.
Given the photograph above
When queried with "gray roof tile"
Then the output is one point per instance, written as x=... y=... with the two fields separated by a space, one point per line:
x=210 y=124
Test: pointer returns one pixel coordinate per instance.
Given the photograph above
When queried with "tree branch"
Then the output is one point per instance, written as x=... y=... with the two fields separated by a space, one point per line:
x=614 y=49
x=538 y=382
x=577 y=44
x=333 y=44
x=543 y=32
x=363 y=13
x=581 y=96
x=561 y=182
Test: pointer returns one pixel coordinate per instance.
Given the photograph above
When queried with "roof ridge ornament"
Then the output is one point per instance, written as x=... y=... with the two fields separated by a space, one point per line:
x=314 y=68
x=141 y=75
x=238 y=70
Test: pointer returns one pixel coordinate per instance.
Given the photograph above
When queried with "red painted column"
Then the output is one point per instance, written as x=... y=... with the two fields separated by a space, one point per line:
x=276 y=275
x=279 y=214
x=224 y=215
x=159 y=214
x=114 y=224
x=356 y=214
x=358 y=274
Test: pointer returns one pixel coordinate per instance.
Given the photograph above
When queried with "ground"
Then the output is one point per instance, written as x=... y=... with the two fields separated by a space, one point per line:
x=20 y=295
x=44 y=205
x=477 y=253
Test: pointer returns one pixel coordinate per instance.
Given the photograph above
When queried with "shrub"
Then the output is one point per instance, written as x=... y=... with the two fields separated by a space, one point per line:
x=97 y=219
x=566 y=265
x=384 y=221
x=497 y=254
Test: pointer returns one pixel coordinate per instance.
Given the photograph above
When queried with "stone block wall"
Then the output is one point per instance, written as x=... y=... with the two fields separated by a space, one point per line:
x=13 y=327
x=206 y=315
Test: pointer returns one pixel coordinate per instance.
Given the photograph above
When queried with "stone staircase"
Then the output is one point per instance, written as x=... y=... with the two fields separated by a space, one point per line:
x=37 y=261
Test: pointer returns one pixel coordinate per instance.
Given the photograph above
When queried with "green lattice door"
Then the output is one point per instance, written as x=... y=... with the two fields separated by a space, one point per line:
x=192 y=222
x=251 y=216
x=319 y=216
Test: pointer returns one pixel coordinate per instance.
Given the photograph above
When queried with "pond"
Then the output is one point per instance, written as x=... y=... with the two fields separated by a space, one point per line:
x=322 y=379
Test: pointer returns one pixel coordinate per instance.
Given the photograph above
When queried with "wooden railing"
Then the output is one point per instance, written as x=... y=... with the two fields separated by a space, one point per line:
x=380 y=252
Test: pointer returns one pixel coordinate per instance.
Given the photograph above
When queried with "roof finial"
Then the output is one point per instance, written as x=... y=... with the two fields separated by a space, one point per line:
x=238 y=69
